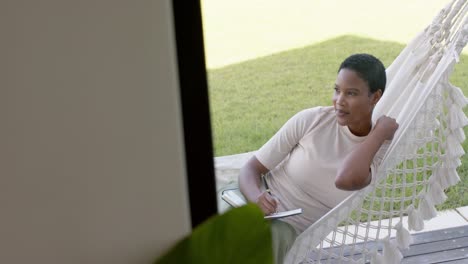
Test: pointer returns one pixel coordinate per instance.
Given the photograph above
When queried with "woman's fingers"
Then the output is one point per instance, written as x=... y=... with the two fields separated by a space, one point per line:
x=387 y=127
x=267 y=203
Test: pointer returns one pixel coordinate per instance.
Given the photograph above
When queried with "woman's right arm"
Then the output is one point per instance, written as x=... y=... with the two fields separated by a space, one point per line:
x=272 y=153
x=249 y=183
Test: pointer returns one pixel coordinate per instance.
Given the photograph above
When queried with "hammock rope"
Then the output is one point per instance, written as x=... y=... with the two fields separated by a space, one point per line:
x=372 y=225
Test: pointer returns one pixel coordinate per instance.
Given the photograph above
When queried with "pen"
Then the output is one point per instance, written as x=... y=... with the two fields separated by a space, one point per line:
x=268 y=188
x=266 y=185
x=269 y=191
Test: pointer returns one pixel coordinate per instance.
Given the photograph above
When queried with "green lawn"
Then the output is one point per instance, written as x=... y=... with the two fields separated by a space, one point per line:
x=251 y=100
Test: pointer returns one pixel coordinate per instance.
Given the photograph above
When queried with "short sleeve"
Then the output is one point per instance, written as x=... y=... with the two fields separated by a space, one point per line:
x=281 y=144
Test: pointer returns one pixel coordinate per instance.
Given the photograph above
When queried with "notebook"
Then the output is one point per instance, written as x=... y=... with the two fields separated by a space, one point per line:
x=234 y=198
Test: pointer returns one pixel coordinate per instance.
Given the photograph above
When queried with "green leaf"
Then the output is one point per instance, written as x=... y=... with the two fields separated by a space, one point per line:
x=240 y=235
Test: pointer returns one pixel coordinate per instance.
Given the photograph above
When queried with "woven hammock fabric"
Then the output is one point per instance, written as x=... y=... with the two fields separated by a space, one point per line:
x=417 y=165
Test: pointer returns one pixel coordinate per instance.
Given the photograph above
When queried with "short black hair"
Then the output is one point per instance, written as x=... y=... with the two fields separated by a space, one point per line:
x=369 y=68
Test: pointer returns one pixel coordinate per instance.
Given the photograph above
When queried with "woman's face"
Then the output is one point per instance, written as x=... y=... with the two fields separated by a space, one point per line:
x=352 y=102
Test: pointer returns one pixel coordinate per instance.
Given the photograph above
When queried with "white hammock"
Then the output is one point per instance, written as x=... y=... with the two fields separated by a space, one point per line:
x=419 y=163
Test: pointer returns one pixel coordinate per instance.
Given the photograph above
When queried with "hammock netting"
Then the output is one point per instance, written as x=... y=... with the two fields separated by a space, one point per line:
x=372 y=225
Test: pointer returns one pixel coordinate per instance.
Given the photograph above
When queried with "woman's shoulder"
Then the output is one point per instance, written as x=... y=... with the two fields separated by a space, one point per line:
x=317 y=112
x=309 y=118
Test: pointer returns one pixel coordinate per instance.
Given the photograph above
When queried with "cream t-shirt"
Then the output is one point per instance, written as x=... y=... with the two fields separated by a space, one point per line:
x=303 y=158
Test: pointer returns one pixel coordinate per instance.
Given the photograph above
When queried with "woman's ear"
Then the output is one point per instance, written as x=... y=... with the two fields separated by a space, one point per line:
x=376 y=96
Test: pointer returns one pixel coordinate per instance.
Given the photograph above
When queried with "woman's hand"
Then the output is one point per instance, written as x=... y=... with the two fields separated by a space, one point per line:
x=249 y=183
x=386 y=127
x=267 y=203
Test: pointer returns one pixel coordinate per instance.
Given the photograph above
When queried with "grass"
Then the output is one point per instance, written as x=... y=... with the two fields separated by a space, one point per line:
x=251 y=100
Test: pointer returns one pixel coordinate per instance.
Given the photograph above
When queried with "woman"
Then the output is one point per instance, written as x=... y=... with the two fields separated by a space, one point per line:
x=321 y=154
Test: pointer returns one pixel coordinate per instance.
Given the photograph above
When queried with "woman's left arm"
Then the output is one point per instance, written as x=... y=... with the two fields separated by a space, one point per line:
x=354 y=173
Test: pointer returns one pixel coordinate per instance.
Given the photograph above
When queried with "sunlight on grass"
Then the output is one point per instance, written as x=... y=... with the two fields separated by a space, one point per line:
x=240 y=30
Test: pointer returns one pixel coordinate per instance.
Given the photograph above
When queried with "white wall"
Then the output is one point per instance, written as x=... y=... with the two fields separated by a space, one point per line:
x=91 y=152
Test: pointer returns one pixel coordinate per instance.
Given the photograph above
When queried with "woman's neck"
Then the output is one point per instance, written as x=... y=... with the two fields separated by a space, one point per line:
x=361 y=130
